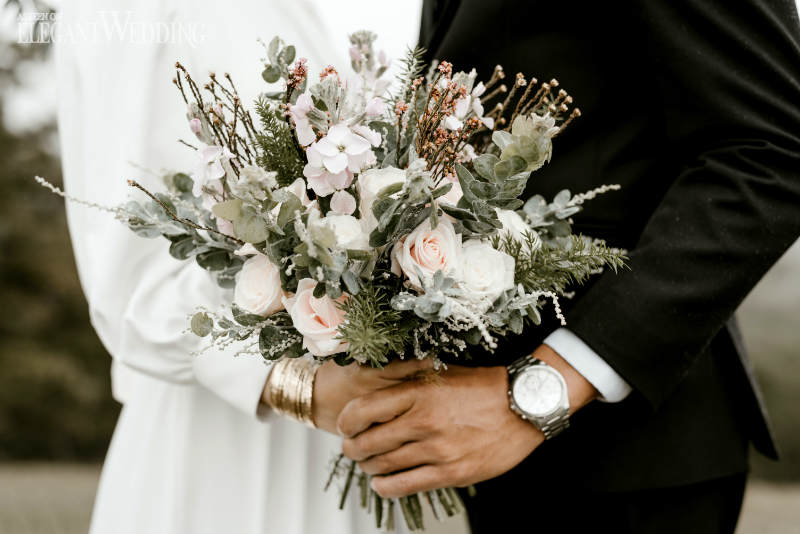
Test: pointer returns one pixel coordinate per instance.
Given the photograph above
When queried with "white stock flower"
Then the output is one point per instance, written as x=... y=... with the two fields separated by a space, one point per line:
x=333 y=159
x=370 y=183
x=343 y=203
x=468 y=105
x=485 y=272
x=209 y=168
x=258 y=285
x=298 y=112
x=426 y=251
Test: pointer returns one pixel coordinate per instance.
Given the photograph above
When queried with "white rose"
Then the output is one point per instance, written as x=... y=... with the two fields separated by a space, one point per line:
x=485 y=272
x=258 y=286
x=370 y=183
x=516 y=227
x=427 y=251
x=348 y=231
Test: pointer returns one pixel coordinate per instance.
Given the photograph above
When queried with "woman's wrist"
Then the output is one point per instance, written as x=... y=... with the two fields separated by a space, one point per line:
x=290 y=388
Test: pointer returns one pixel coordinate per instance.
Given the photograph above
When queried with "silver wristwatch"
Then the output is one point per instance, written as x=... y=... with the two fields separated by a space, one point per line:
x=538 y=393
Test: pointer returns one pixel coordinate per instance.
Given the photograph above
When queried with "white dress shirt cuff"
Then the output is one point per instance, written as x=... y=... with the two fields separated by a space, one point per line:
x=611 y=386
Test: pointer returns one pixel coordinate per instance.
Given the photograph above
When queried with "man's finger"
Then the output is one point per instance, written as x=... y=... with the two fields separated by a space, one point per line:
x=399 y=369
x=377 y=407
x=398 y=459
x=424 y=478
x=377 y=440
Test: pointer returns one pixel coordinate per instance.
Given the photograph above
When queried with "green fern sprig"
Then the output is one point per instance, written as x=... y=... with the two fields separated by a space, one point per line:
x=276 y=149
x=547 y=268
x=374 y=330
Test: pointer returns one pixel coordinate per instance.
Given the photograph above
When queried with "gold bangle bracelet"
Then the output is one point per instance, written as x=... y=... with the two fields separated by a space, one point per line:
x=290 y=388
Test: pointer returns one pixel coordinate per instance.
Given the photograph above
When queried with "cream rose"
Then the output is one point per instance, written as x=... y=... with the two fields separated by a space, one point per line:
x=485 y=271
x=348 y=231
x=516 y=227
x=258 y=286
x=428 y=251
x=317 y=319
x=370 y=183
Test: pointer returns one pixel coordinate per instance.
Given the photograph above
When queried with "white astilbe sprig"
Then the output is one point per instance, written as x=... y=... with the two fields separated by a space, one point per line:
x=580 y=198
x=116 y=211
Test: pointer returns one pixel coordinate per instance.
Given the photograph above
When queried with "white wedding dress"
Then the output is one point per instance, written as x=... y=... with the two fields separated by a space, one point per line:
x=192 y=453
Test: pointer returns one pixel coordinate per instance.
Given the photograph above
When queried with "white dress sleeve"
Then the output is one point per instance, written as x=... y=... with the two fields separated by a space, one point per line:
x=118 y=107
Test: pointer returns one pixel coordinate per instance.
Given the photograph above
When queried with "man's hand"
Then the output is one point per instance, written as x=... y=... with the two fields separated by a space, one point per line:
x=453 y=429
x=335 y=386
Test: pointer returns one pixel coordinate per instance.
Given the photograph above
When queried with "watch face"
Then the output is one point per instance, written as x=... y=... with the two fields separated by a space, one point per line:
x=537 y=391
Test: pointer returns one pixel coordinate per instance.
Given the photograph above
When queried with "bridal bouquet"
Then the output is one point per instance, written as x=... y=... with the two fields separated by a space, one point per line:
x=364 y=223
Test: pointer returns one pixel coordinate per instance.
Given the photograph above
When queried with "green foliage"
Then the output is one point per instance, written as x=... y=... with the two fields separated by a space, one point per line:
x=201 y=324
x=432 y=304
x=279 y=57
x=411 y=68
x=547 y=268
x=375 y=331
x=55 y=393
x=276 y=149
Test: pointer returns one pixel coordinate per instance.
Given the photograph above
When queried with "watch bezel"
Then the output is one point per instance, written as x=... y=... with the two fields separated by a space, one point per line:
x=557 y=405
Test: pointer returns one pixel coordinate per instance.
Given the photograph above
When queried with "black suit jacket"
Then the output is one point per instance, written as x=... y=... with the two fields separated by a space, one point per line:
x=693 y=107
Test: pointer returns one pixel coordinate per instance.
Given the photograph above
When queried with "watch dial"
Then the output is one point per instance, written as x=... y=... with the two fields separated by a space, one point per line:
x=537 y=391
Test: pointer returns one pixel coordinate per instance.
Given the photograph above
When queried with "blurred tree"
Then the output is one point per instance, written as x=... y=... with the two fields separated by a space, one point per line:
x=55 y=398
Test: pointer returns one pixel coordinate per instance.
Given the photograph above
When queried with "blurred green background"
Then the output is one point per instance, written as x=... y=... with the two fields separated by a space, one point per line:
x=55 y=403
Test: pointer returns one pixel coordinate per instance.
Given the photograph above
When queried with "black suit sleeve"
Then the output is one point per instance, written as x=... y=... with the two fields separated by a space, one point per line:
x=728 y=80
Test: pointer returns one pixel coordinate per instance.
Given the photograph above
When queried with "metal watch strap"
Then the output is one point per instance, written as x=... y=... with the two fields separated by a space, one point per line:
x=550 y=428
x=519 y=364
x=555 y=426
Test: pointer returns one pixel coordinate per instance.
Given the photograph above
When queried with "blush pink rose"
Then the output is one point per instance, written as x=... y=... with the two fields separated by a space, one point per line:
x=428 y=250
x=317 y=319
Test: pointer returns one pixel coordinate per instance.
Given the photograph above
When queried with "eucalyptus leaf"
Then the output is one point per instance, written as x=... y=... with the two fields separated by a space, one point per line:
x=351 y=282
x=272 y=49
x=201 y=324
x=182 y=182
x=319 y=291
x=229 y=209
x=359 y=255
x=271 y=74
x=390 y=190
x=508 y=167
x=250 y=227
x=245 y=318
x=182 y=248
x=484 y=166
x=286 y=55
x=288 y=209
x=442 y=190
x=213 y=260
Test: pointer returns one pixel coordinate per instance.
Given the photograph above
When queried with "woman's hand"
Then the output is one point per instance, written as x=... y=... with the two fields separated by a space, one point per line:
x=335 y=386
